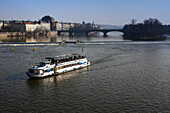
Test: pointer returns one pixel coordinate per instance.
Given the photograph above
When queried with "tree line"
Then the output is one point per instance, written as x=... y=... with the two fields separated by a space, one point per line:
x=150 y=29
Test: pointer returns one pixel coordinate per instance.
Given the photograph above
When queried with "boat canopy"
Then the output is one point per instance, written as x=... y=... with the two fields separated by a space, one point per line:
x=62 y=56
x=45 y=62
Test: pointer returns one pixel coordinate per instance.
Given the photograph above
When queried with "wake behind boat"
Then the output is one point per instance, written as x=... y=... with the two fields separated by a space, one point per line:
x=58 y=64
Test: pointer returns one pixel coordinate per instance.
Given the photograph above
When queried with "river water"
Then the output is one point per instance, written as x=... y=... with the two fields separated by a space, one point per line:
x=124 y=76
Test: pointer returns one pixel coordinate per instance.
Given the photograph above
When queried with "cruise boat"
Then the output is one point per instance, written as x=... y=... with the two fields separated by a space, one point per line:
x=58 y=64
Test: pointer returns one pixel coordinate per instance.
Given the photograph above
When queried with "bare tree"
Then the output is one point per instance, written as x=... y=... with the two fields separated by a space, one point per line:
x=133 y=21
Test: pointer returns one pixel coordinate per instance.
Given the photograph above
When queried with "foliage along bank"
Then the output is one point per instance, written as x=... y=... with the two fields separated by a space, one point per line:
x=149 y=30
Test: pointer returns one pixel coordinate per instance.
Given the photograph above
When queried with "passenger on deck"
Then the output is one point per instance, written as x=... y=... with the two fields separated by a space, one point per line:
x=52 y=61
x=74 y=57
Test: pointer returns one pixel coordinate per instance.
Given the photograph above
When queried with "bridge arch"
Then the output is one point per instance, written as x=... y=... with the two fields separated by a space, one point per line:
x=104 y=31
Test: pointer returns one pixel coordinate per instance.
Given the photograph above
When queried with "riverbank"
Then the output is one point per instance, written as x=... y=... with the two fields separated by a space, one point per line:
x=32 y=34
x=155 y=38
x=26 y=34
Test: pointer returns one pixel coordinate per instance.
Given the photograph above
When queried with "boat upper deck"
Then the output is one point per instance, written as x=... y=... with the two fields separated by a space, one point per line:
x=64 y=58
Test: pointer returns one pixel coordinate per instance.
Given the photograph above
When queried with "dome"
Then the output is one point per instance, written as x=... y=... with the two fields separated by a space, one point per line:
x=48 y=19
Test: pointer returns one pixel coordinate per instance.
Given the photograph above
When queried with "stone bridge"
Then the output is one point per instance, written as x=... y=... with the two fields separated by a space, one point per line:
x=104 y=31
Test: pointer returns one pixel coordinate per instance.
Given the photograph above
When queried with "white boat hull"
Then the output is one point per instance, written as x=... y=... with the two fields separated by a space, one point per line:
x=63 y=70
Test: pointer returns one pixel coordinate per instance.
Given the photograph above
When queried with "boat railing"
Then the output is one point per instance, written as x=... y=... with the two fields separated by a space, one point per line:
x=70 y=57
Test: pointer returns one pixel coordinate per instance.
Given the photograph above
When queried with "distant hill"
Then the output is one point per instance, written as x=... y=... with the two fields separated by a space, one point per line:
x=112 y=26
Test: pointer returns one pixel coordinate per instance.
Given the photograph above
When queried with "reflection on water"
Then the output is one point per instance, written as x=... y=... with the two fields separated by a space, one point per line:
x=116 y=36
x=12 y=39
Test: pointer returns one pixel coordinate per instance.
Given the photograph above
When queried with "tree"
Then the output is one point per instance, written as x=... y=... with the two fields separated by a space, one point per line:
x=133 y=21
x=150 y=29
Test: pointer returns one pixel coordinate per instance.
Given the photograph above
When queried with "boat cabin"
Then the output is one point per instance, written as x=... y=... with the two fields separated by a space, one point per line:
x=44 y=63
x=64 y=58
x=58 y=64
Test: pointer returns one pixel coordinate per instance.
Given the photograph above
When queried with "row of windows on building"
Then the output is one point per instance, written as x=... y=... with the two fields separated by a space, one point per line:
x=42 y=26
x=46 y=23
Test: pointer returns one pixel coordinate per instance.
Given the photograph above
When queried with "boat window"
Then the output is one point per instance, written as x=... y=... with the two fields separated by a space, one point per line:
x=57 y=68
x=46 y=70
x=36 y=71
x=31 y=70
x=41 y=65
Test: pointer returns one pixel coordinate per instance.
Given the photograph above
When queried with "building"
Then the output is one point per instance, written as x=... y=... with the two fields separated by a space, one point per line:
x=58 y=26
x=63 y=26
x=37 y=26
x=45 y=26
x=47 y=23
x=50 y=20
x=24 y=27
x=1 y=25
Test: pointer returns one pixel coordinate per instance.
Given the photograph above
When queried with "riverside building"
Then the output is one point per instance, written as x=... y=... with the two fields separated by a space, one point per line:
x=48 y=22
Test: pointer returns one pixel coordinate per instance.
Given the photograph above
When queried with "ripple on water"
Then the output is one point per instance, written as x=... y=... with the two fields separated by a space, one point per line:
x=122 y=78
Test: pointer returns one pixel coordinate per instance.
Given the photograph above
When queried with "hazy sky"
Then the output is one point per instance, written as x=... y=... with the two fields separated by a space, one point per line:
x=115 y=12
